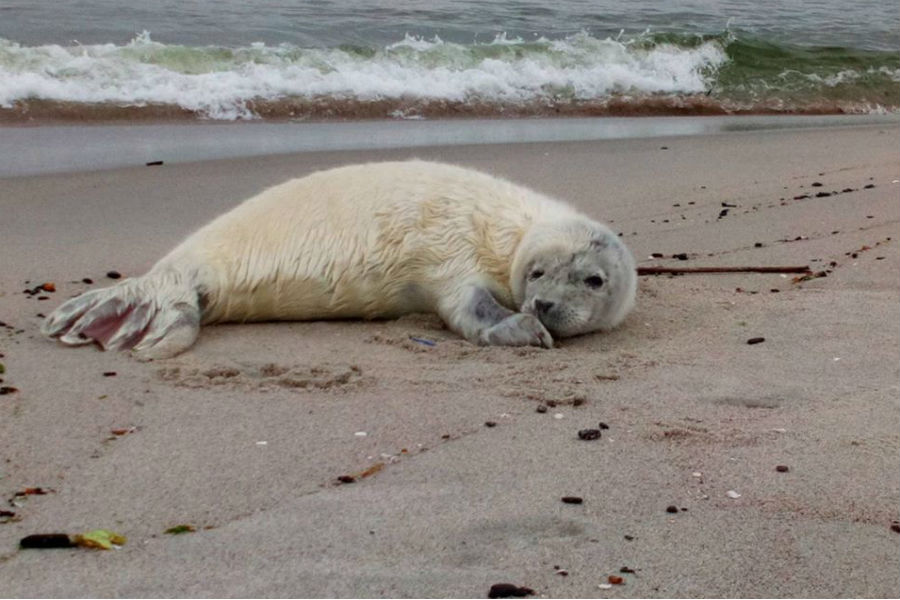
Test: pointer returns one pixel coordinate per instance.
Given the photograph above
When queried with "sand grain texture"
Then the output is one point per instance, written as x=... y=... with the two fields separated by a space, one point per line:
x=459 y=506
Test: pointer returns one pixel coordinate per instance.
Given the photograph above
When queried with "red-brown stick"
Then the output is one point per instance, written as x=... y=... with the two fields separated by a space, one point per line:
x=679 y=270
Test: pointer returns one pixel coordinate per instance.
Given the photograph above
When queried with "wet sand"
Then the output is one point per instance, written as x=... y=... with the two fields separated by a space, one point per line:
x=244 y=436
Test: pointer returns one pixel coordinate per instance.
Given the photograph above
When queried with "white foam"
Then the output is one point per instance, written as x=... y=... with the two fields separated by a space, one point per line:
x=218 y=82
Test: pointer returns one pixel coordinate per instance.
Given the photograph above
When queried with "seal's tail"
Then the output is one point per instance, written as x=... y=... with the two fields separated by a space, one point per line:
x=156 y=316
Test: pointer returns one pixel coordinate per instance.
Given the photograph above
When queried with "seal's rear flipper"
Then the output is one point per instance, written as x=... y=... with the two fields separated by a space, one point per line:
x=157 y=316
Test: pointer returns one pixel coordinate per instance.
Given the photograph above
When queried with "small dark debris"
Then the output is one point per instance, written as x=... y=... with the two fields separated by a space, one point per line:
x=43 y=297
x=113 y=274
x=109 y=373
x=629 y=538
x=615 y=580
x=509 y=590
x=551 y=403
x=868 y=186
x=657 y=255
x=423 y=341
x=577 y=401
x=87 y=280
x=490 y=423
x=41 y=316
x=895 y=527
x=775 y=291
x=572 y=499
x=782 y=468
x=541 y=408
x=727 y=205
x=758 y=245
x=8 y=389
x=154 y=163
x=801 y=197
x=879 y=258
x=46 y=540
x=681 y=256
x=816 y=184
x=589 y=434
x=672 y=509
x=627 y=570
x=663 y=147
x=684 y=509
x=446 y=436
x=346 y=479
x=848 y=190
x=723 y=213
x=603 y=425
x=756 y=340
x=691 y=203
x=823 y=194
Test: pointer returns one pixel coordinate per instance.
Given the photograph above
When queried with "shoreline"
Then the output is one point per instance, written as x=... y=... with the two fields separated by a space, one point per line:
x=80 y=147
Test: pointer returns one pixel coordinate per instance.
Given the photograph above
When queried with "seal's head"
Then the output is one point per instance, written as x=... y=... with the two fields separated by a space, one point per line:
x=575 y=276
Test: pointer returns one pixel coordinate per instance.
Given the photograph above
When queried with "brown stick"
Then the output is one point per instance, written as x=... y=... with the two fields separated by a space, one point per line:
x=680 y=270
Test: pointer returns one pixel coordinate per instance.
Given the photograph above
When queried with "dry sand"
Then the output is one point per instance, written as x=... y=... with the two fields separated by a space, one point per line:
x=243 y=436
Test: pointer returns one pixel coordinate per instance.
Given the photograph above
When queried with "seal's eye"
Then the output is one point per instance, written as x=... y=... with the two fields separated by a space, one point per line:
x=536 y=274
x=594 y=281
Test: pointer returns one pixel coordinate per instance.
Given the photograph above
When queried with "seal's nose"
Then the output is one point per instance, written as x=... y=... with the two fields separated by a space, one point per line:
x=542 y=307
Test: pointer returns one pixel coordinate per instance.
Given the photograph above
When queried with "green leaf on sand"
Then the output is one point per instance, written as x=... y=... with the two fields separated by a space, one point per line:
x=102 y=539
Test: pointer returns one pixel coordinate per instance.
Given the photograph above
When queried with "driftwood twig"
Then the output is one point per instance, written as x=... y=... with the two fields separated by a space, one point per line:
x=680 y=270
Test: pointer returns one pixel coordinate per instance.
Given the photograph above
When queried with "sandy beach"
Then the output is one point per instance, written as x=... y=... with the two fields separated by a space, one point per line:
x=244 y=436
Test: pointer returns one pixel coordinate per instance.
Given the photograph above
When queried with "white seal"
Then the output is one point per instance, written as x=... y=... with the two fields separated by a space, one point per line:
x=501 y=264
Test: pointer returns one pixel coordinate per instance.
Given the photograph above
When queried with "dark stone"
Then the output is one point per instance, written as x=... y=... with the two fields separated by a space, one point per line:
x=490 y=423
x=113 y=274
x=572 y=500
x=756 y=340
x=509 y=590
x=589 y=434
x=672 y=509
x=782 y=468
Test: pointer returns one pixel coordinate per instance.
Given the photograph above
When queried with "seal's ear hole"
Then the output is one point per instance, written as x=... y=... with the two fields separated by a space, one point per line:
x=535 y=274
x=594 y=282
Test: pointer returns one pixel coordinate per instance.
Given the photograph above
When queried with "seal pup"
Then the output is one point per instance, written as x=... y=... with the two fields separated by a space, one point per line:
x=501 y=264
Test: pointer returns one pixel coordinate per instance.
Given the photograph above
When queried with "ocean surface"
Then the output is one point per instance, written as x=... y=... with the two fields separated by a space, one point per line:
x=97 y=60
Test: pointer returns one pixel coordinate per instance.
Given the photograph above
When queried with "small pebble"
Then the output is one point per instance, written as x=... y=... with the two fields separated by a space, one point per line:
x=572 y=500
x=615 y=579
x=627 y=570
x=490 y=423
x=895 y=527
x=589 y=434
x=604 y=586
x=109 y=373
x=672 y=509
x=680 y=256
x=816 y=184
x=603 y=425
x=113 y=274
x=732 y=494
x=360 y=434
x=629 y=538
x=782 y=468
x=346 y=479
x=87 y=280
x=758 y=245
x=541 y=409
x=756 y=340
x=868 y=186
x=558 y=415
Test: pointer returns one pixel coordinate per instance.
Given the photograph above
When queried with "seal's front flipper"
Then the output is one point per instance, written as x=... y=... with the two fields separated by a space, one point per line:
x=518 y=329
x=157 y=315
x=479 y=318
